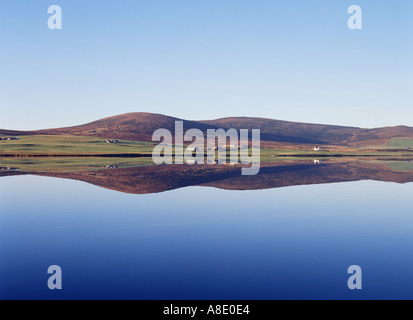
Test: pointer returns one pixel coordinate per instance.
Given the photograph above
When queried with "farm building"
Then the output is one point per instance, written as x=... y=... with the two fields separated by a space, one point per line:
x=192 y=149
x=9 y=138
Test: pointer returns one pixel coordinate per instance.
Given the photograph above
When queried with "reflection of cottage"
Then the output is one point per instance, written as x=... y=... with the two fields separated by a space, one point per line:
x=113 y=166
x=112 y=141
x=9 y=169
x=317 y=161
x=318 y=149
x=192 y=162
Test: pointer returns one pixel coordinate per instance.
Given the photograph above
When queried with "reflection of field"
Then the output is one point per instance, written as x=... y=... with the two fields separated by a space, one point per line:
x=401 y=165
x=77 y=164
x=278 y=155
x=68 y=164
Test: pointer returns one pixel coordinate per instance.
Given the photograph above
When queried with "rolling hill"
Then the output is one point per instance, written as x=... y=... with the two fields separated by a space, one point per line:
x=140 y=127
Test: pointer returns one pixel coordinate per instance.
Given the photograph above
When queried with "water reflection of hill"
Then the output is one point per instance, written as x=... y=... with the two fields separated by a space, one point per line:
x=155 y=179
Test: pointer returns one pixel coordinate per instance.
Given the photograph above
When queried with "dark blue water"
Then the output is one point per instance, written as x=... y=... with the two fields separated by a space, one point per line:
x=204 y=243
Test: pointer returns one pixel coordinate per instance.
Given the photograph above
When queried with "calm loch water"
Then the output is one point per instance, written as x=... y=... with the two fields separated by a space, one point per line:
x=202 y=242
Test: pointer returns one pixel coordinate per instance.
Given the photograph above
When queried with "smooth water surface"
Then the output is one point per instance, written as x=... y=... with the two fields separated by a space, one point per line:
x=205 y=243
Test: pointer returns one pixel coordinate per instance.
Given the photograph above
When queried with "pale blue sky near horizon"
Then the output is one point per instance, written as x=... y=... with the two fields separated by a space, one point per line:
x=195 y=59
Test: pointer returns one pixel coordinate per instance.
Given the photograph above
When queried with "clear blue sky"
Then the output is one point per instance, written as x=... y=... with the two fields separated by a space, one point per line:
x=204 y=59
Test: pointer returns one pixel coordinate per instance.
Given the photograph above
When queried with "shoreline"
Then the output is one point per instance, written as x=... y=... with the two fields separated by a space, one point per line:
x=143 y=155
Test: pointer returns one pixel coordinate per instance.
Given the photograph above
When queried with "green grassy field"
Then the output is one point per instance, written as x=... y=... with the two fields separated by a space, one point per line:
x=30 y=146
x=394 y=144
x=401 y=143
x=71 y=145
